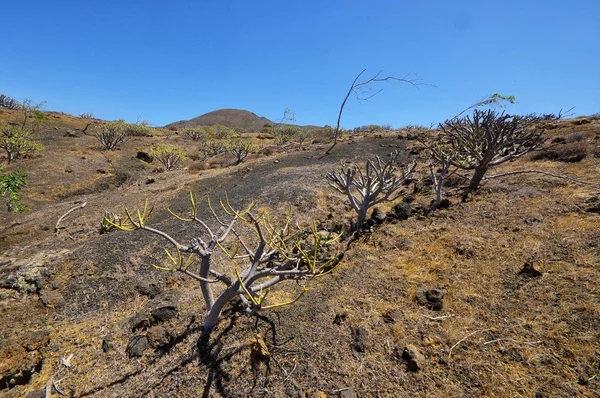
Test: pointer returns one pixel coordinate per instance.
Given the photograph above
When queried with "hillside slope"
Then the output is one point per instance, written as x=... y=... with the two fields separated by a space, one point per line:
x=233 y=118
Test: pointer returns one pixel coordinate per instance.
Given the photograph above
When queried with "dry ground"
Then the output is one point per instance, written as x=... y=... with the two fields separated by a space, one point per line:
x=500 y=333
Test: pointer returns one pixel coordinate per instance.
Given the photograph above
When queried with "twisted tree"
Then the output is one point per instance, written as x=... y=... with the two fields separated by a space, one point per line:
x=487 y=139
x=376 y=182
x=275 y=255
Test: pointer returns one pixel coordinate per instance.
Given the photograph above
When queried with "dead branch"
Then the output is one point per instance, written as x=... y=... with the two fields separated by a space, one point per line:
x=358 y=89
x=463 y=339
x=513 y=341
x=56 y=227
x=573 y=180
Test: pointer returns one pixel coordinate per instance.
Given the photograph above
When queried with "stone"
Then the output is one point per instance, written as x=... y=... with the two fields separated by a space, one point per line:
x=402 y=211
x=340 y=318
x=148 y=289
x=33 y=341
x=159 y=337
x=528 y=271
x=378 y=216
x=40 y=393
x=349 y=393
x=144 y=156
x=52 y=298
x=360 y=336
x=136 y=346
x=107 y=343
x=160 y=309
x=415 y=361
x=432 y=299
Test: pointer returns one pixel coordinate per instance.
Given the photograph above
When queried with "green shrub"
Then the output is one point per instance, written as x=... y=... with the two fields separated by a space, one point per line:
x=169 y=156
x=10 y=185
x=17 y=142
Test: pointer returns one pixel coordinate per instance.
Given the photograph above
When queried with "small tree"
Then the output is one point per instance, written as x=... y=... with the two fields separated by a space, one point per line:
x=488 y=139
x=27 y=107
x=275 y=256
x=221 y=132
x=17 y=142
x=215 y=147
x=196 y=133
x=169 y=156
x=377 y=182
x=110 y=135
x=8 y=102
x=240 y=148
x=10 y=185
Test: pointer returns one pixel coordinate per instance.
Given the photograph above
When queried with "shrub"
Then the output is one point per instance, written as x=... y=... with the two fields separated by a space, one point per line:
x=271 y=254
x=196 y=133
x=85 y=116
x=376 y=182
x=488 y=139
x=169 y=156
x=8 y=102
x=10 y=185
x=240 y=148
x=569 y=153
x=110 y=135
x=221 y=132
x=17 y=142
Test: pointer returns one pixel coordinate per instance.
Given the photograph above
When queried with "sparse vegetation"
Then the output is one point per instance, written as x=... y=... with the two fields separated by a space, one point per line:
x=240 y=148
x=196 y=133
x=8 y=102
x=169 y=156
x=10 y=186
x=17 y=142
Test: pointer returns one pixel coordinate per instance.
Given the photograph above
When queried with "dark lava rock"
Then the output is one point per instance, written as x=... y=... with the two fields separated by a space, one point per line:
x=107 y=343
x=339 y=318
x=20 y=358
x=33 y=341
x=161 y=308
x=144 y=156
x=378 y=216
x=149 y=289
x=415 y=361
x=349 y=393
x=360 y=335
x=559 y=140
x=432 y=299
x=402 y=211
x=137 y=345
x=528 y=271
x=593 y=204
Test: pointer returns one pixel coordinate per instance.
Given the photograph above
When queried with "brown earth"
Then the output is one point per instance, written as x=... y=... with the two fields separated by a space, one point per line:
x=504 y=329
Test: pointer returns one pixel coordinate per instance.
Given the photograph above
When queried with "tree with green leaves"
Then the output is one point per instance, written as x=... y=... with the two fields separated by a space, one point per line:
x=17 y=142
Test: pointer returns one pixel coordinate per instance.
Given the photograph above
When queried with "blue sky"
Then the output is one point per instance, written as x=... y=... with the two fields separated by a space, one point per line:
x=167 y=61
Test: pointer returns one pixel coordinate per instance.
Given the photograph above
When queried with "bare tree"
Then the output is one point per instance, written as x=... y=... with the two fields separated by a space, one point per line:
x=110 y=135
x=365 y=187
x=275 y=256
x=364 y=91
x=488 y=139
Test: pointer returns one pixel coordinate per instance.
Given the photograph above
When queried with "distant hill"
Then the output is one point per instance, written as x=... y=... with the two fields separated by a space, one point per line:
x=233 y=118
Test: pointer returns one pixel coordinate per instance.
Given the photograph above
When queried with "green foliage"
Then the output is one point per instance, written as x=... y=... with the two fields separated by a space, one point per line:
x=17 y=142
x=133 y=129
x=10 y=185
x=168 y=155
x=221 y=132
x=199 y=133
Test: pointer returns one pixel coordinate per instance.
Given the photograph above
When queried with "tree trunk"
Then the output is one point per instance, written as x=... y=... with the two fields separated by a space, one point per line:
x=476 y=180
x=207 y=293
x=212 y=315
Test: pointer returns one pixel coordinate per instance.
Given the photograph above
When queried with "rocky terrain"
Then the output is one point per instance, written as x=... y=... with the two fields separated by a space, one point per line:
x=494 y=296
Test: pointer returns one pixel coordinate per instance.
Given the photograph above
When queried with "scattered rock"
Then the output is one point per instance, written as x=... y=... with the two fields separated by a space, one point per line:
x=276 y=161
x=160 y=338
x=150 y=180
x=148 y=289
x=402 y=211
x=340 y=318
x=137 y=345
x=349 y=393
x=70 y=133
x=532 y=220
x=432 y=299
x=559 y=140
x=34 y=341
x=107 y=342
x=40 y=393
x=101 y=171
x=378 y=216
x=52 y=298
x=528 y=271
x=20 y=358
x=68 y=170
x=160 y=309
x=593 y=204
x=360 y=336
x=260 y=353
x=144 y=156
x=415 y=361
x=392 y=316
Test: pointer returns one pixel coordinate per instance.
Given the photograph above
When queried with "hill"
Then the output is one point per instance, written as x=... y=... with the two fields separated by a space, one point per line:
x=234 y=118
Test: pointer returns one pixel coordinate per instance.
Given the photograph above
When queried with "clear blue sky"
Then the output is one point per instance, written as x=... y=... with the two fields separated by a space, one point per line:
x=167 y=61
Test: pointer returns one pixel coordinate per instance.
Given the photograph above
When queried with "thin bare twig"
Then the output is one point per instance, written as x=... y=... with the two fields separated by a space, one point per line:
x=514 y=341
x=56 y=228
x=463 y=339
x=438 y=318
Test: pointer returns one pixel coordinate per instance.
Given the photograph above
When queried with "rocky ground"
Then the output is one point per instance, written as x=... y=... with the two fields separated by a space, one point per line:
x=497 y=296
